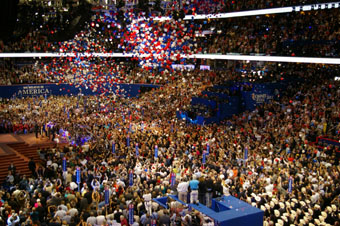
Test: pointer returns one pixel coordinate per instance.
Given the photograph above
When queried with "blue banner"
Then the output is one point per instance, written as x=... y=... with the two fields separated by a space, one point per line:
x=78 y=176
x=64 y=164
x=208 y=148
x=107 y=196
x=130 y=214
x=261 y=93
x=246 y=153
x=46 y=90
x=113 y=147
x=204 y=158
x=137 y=152
x=153 y=222
x=128 y=141
x=173 y=179
x=142 y=126
x=290 y=184
x=156 y=151
x=130 y=178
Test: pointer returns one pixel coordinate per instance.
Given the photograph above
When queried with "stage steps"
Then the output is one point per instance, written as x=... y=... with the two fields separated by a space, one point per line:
x=20 y=154
x=19 y=162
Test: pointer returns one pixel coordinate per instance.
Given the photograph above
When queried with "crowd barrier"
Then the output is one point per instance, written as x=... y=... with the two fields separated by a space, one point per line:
x=327 y=141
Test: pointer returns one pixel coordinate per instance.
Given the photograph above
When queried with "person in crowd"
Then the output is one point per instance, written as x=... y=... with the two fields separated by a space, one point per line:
x=194 y=184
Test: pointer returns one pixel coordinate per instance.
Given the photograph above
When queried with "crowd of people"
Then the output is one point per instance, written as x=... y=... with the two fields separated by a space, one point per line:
x=109 y=139
x=121 y=151
x=311 y=33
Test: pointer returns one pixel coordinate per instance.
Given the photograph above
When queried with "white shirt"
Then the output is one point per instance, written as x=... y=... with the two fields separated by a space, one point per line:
x=91 y=220
x=100 y=219
x=183 y=187
x=60 y=213
x=147 y=197
x=269 y=188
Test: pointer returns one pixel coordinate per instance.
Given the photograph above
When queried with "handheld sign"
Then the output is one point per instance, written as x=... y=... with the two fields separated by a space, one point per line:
x=128 y=141
x=153 y=222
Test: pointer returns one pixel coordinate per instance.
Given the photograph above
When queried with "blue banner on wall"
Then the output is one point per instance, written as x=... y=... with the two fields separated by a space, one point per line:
x=45 y=90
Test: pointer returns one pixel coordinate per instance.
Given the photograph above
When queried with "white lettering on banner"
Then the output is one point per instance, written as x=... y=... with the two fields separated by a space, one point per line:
x=33 y=91
x=261 y=98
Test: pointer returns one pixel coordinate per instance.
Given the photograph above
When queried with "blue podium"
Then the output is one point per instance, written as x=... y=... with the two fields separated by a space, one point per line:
x=225 y=211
